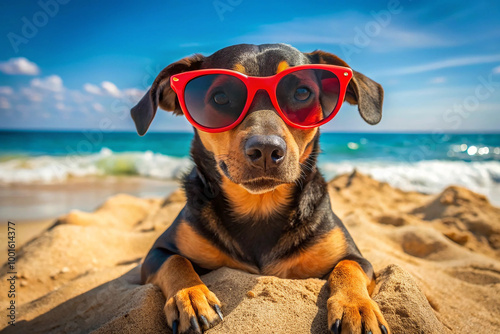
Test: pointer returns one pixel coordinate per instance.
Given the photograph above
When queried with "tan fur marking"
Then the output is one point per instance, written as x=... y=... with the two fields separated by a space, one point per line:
x=166 y=277
x=306 y=154
x=202 y=252
x=217 y=143
x=283 y=65
x=293 y=142
x=314 y=261
x=260 y=205
x=348 y=277
x=184 y=291
x=239 y=68
x=302 y=139
x=350 y=299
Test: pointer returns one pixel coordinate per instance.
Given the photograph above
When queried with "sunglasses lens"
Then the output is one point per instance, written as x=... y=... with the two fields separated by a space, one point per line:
x=309 y=96
x=215 y=100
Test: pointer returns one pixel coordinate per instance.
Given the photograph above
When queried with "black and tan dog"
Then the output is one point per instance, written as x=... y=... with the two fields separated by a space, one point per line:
x=234 y=217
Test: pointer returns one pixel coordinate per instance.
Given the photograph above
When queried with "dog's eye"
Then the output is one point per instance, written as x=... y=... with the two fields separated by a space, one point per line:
x=302 y=93
x=221 y=98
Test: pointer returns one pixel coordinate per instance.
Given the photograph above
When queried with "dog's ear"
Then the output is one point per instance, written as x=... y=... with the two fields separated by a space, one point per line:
x=160 y=94
x=363 y=91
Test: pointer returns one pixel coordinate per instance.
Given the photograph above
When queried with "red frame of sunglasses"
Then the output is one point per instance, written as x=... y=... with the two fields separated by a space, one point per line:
x=179 y=81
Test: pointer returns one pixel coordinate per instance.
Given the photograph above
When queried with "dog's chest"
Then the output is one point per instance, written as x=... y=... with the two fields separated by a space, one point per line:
x=315 y=260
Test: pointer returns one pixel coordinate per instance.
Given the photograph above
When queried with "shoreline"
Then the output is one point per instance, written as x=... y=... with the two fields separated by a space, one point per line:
x=35 y=202
x=28 y=203
x=21 y=202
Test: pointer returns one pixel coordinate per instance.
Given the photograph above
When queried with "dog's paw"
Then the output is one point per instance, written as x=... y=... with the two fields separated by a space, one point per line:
x=355 y=314
x=193 y=310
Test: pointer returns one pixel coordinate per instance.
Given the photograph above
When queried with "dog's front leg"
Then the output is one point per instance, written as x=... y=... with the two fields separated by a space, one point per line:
x=350 y=308
x=190 y=306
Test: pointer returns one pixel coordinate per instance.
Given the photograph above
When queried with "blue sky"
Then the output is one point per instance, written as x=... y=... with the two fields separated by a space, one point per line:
x=83 y=64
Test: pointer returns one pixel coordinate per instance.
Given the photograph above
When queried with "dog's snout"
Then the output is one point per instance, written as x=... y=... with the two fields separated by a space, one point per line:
x=265 y=151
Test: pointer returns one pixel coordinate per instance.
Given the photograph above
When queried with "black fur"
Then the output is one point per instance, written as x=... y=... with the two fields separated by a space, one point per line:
x=307 y=218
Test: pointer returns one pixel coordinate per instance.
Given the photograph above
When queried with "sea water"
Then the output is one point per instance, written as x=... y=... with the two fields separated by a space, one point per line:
x=421 y=162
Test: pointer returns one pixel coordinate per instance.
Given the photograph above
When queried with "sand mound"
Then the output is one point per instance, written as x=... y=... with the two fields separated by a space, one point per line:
x=466 y=218
x=436 y=259
x=405 y=307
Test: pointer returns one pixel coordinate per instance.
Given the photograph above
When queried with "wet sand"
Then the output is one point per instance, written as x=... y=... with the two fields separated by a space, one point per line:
x=30 y=202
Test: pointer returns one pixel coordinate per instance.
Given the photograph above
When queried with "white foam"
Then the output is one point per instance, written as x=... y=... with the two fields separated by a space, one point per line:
x=428 y=176
x=49 y=169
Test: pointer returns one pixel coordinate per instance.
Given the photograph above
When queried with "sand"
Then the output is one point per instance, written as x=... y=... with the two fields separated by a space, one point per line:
x=29 y=230
x=436 y=257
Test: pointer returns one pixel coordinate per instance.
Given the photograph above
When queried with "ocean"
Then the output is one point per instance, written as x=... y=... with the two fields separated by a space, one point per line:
x=422 y=162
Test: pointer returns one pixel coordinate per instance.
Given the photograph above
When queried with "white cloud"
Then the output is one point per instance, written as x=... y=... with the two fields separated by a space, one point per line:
x=111 y=89
x=107 y=88
x=98 y=107
x=438 y=80
x=60 y=106
x=134 y=94
x=4 y=103
x=496 y=70
x=19 y=65
x=92 y=89
x=447 y=63
x=49 y=95
x=32 y=94
x=53 y=83
x=6 y=90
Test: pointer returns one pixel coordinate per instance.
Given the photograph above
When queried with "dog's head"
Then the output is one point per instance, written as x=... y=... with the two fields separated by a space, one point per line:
x=262 y=152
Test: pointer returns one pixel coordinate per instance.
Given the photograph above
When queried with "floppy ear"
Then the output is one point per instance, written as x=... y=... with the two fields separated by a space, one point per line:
x=363 y=91
x=160 y=94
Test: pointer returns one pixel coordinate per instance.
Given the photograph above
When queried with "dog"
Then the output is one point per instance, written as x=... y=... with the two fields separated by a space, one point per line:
x=255 y=198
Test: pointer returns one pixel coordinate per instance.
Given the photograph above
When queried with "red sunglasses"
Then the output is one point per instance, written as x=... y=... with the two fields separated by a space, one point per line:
x=217 y=100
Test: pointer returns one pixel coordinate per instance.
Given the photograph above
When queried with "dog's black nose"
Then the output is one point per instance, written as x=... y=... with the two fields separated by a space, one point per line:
x=265 y=151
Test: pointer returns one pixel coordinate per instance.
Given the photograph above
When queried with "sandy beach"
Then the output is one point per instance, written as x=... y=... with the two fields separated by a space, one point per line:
x=104 y=112
x=437 y=260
